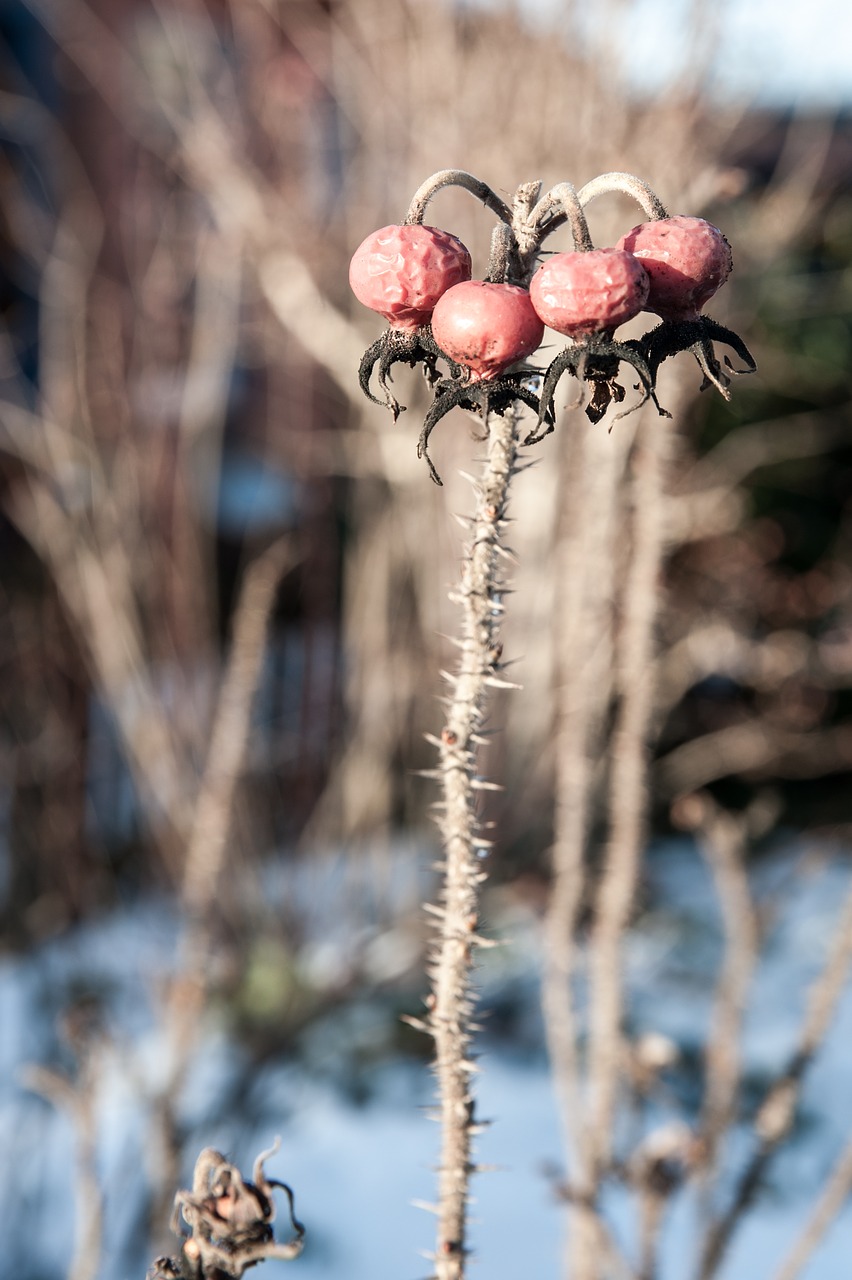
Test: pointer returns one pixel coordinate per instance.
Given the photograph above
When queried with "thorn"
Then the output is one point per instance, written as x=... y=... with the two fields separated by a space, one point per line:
x=428 y=1208
x=417 y=1023
x=479 y=784
x=451 y=679
x=464 y=521
x=501 y=684
x=434 y=911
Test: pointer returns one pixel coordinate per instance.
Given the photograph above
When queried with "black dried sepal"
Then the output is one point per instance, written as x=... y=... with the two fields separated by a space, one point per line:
x=488 y=396
x=595 y=359
x=391 y=348
x=697 y=336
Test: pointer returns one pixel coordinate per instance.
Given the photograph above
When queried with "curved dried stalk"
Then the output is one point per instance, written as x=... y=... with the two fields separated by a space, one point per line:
x=455 y=178
x=480 y=596
x=562 y=204
x=647 y=199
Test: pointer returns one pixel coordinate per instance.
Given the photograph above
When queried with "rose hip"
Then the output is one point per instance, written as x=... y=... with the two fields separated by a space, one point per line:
x=589 y=292
x=402 y=271
x=687 y=261
x=486 y=326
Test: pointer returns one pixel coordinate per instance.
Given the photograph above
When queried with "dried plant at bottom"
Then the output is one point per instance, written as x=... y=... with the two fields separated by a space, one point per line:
x=230 y=1222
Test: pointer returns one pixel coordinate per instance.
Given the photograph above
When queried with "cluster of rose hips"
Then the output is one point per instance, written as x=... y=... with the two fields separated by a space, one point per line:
x=419 y=278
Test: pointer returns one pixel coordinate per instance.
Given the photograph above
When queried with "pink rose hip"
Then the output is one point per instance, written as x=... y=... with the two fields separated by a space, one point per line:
x=588 y=292
x=486 y=327
x=687 y=261
x=402 y=271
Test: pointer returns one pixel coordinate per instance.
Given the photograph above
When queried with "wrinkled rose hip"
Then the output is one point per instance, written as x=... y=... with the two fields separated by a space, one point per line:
x=582 y=293
x=687 y=261
x=402 y=271
x=486 y=326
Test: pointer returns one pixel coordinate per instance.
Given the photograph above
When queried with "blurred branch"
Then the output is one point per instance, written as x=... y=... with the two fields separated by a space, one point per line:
x=627 y=795
x=722 y=837
x=831 y=1200
x=208 y=841
x=753 y=747
x=764 y=444
x=776 y=1114
x=78 y=1099
x=95 y=584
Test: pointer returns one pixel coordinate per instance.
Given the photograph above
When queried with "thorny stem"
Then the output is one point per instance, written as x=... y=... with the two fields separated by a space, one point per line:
x=500 y=257
x=480 y=596
x=645 y=196
x=454 y=178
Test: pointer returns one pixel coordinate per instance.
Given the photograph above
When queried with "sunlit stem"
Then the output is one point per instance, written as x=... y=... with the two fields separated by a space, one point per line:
x=562 y=204
x=455 y=178
x=499 y=260
x=645 y=196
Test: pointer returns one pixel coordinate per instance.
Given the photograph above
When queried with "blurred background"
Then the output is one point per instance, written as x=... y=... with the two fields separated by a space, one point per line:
x=223 y=593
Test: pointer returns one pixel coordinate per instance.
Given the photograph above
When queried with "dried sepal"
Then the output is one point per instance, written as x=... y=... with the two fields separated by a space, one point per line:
x=395 y=347
x=698 y=335
x=483 y=397
x=230 y=1222
x=595 y=361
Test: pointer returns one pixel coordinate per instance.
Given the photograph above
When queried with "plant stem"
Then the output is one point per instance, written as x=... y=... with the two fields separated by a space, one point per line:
x=562 y=204
x=645 y=196
x=481 y=599
x=455 y=178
